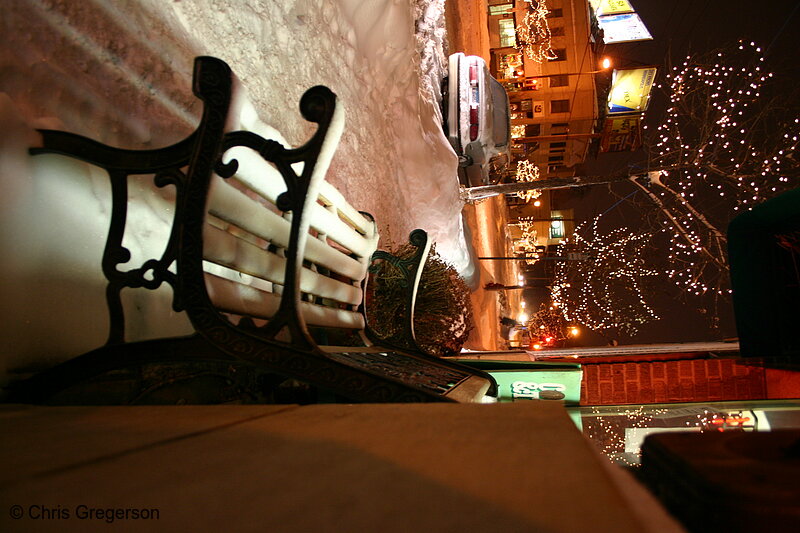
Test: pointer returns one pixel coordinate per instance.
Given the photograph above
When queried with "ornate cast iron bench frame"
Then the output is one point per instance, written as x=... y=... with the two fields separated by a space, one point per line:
x=281 y=346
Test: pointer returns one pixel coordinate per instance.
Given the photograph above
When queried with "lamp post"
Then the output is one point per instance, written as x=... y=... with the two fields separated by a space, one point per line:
x=605 y=65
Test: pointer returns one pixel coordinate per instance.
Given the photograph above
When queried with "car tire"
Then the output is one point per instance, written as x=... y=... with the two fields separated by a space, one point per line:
x=464 y=160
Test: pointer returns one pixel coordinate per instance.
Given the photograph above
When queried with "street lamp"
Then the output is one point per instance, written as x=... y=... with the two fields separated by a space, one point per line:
x=605 y=64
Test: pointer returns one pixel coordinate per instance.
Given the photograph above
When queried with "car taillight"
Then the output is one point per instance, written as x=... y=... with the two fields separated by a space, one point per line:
x=473 y=123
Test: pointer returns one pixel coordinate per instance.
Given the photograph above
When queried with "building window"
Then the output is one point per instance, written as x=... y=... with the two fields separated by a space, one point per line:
x=559 y=128
x=560 y=53
x=558 y=147
x=533 y=130
x=508 y=34
x=499 y=9
x=557 y=229
x=555 y=159
x=562 y=80
x=559 y=106
x=558 y=31
x=555 y=13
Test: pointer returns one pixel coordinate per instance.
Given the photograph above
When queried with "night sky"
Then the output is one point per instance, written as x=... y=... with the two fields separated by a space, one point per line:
x=679 y=27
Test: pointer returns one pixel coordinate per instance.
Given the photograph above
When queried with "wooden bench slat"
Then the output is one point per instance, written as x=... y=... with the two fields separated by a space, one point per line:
x=222 y=248
x=331 y=196
x=235 y=207
x=344 y=224
x=234 y=297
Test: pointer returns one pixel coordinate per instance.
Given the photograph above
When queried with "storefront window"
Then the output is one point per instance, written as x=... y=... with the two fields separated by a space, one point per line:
x=619 y=431
x=508 y=34
x=510 y=65
x=499 y=9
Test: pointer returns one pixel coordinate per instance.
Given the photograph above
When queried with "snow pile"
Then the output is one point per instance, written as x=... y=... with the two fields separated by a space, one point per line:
x=385 y=60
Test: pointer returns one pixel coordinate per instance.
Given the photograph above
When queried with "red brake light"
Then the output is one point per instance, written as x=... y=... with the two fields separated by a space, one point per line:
x=473 y=123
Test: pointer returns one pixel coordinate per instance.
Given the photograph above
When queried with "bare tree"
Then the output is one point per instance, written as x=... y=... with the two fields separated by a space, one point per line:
x=728 y=141
x=607 y=290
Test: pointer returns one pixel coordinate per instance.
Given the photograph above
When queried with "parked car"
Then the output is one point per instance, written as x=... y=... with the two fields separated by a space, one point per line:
x=476 y=117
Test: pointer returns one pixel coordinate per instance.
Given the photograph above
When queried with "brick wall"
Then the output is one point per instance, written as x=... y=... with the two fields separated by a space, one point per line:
x=693 y=380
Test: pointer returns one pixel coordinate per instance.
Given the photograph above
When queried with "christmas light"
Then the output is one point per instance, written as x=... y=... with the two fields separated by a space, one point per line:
x=723 y=147
x=603 y=287
x=533 y=32
x=527 y=171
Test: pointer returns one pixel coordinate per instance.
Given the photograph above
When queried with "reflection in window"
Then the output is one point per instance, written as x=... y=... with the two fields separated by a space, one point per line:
x=618 y=432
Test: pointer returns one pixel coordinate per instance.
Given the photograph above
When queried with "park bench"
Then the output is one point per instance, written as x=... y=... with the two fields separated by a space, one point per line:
x=266 y=258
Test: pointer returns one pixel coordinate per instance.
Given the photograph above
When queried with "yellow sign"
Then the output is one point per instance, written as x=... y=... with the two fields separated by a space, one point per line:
x=630 y=90
x=610 y=7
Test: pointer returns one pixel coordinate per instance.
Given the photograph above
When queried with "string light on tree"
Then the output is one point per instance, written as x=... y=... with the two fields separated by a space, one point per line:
x=533 y=32
x=549 y=326
x=526 y=244
x=527 y=171
x=727 y=142
x=604 y=288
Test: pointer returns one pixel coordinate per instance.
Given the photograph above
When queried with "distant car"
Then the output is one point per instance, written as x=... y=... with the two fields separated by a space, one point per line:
x=477 y=117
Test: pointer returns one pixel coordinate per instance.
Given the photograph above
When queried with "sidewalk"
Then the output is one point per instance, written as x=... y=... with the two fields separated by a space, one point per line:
x=488 y=225
x=392 y=468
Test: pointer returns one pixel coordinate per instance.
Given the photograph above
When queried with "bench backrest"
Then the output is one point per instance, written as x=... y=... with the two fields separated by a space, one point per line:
x=247 y=236
x=257 y=233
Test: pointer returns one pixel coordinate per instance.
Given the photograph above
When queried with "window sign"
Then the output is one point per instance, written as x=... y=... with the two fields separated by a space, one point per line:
x=540 y=384
x=557 y=229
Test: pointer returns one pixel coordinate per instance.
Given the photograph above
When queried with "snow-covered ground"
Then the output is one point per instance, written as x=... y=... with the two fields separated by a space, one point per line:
x=385 y=60
x=94 y=68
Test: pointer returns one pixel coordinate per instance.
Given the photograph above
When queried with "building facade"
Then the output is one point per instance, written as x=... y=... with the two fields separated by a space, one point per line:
x=554 y=102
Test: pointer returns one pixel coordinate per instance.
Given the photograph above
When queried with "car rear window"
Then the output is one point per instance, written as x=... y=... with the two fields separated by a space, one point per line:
x=501 y=117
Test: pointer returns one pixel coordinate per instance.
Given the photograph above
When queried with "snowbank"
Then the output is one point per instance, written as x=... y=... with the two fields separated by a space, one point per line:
x=384 y=59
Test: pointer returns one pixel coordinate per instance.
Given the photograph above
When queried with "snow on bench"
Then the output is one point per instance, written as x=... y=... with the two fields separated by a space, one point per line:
x=260 y=248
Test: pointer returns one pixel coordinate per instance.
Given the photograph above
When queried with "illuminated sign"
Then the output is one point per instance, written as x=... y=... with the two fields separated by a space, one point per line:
x=630 y=90
x=621 y=134
x=561 y=384
x=611 y=7
x=623 y=28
